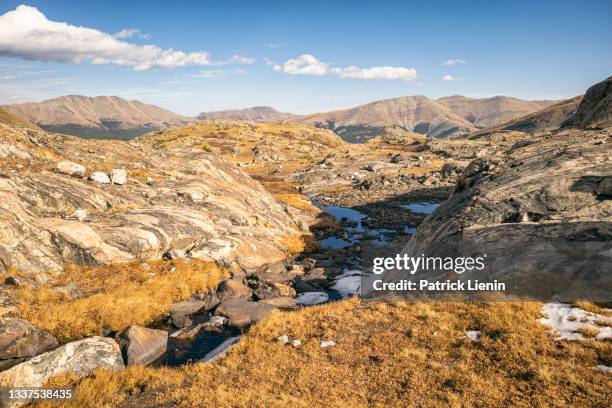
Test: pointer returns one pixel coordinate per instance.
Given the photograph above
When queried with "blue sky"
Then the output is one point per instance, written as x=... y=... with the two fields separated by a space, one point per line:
x=241 y=54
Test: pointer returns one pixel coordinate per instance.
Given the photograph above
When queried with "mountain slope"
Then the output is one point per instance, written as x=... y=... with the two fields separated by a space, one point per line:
x=99 y=116
x=256 y=114
x=550 y=118
x=409 y=113
x=489 y=112
x=595 y=110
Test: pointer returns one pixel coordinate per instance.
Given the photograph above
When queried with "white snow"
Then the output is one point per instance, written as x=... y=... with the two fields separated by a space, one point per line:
x=565 y=320
x=603 y=369
x=349 y=283
x=311 y=298
x=473 y=335
x=327 y=343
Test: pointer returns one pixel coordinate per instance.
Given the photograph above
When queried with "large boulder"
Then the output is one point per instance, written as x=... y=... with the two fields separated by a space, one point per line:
x=19 y=340
x=141 y=345
x=242 y=313
x=69 y=168
x=118 y=176
x=79 y=358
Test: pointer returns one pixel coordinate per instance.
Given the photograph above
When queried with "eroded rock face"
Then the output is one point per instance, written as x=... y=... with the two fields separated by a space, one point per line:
x=540 y=204
x=79 y=357
x=178 y=202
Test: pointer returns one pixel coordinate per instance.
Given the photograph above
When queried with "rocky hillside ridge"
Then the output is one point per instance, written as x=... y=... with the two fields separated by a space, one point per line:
x=64 y=200
x=454 y=115
x=255 y=114
x=548 y=119
x=99 y=116
x=487 y=112
x=262 y=149
x=410 y=113
x=595 y=110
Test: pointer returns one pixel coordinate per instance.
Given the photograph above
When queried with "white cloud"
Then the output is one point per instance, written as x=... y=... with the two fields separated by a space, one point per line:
x=268 y=61
x=25 y=32
x=451 y=78
x=131 y=32
x=455 y=61
x=307 y=64
x=217 y=73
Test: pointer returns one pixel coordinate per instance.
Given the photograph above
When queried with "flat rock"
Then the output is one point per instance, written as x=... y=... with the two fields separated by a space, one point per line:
x=142 y=345
x=282 y=302
x=70 y=168
x=242 y=313
x=188 y=307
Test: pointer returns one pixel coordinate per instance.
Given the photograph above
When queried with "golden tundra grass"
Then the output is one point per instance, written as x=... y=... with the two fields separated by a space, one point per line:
x=115 y=296
x=388 y=354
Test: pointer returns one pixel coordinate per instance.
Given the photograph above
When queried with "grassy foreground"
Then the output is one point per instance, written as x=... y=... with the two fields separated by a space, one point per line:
x=387 y=354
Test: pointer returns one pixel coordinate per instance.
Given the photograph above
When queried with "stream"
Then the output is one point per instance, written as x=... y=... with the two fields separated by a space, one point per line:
x=342 y=250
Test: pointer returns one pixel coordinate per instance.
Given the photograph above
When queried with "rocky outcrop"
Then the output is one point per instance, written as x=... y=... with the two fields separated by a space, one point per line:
x=19 y=340
x=595 y=110
x=538 y=212
x=79 y=358
x=177 y=202
x=141 y=345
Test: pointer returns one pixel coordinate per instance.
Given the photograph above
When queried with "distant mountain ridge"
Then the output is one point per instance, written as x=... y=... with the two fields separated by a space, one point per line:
x=436 y=118
x=114 y=117
x=489 y=112
x=255 y=114
x=98 y=116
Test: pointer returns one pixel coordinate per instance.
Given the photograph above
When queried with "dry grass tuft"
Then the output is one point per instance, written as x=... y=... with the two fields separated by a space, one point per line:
x=298 y=201
x=115 y=296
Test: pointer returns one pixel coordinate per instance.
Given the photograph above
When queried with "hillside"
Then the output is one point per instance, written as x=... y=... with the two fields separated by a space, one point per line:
x=410 y=113
x=255 y=114
x=547 y=119
x=8 y=118
x=453 y=115
x=489 y=112
x=96 y=117
x=595 y=110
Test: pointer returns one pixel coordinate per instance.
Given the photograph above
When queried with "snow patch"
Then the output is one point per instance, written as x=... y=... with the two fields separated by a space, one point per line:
x=566 y=320
x=349 y=283
x=327 y=343
x=603 y=369
x=473 y=335
x=311 y=298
